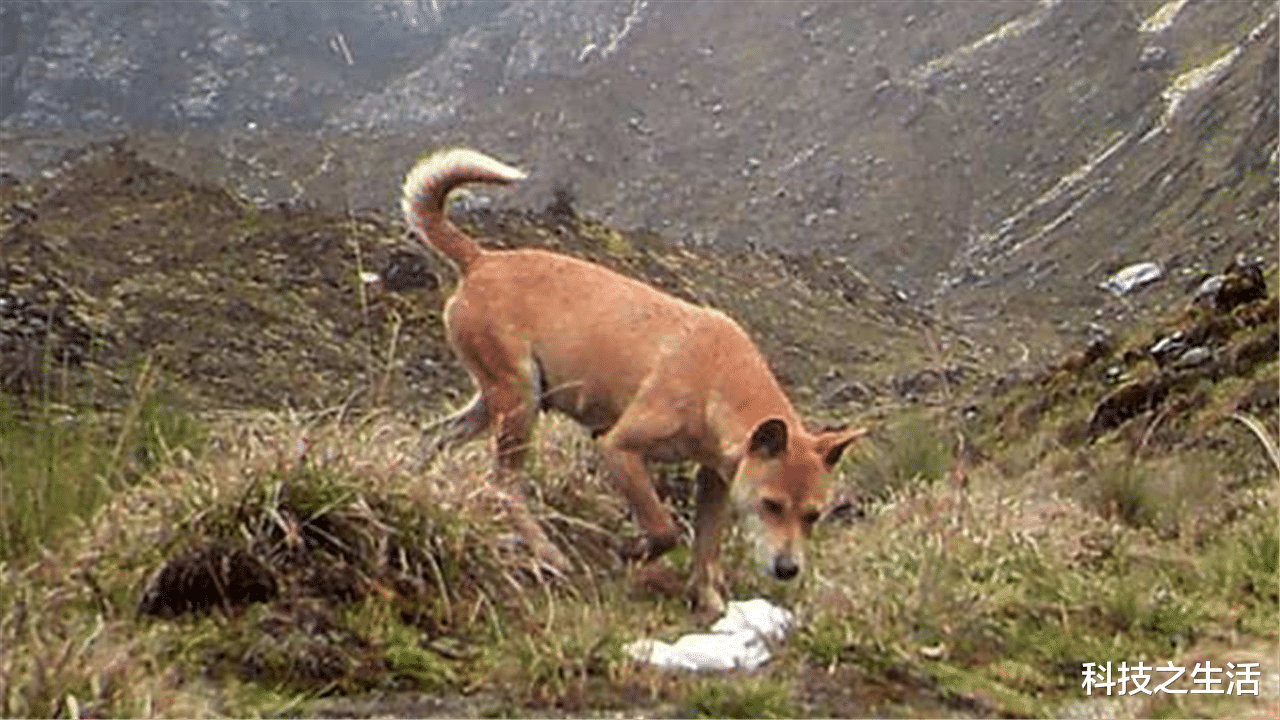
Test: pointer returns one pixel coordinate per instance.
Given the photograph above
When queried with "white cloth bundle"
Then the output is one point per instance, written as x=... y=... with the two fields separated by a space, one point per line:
x=735 y=640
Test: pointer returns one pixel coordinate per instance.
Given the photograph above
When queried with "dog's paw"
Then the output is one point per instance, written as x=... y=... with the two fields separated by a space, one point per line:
x=656 y=579
x=707 y=602
x=645 y=549
x=634 y=550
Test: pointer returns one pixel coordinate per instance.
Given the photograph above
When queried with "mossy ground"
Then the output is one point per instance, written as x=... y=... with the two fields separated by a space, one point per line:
x=226 y=507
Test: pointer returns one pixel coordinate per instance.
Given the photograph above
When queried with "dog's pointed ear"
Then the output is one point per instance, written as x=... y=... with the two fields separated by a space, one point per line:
x=768 y=440
x=831 y=445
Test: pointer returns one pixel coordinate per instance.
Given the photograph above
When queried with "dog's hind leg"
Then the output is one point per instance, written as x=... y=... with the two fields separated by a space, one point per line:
x=462 y=426
x=513 y=404
x=514 y=429
x=511 y=391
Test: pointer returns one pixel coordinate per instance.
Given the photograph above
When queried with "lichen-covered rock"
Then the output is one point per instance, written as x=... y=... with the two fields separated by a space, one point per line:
x=1241 y=282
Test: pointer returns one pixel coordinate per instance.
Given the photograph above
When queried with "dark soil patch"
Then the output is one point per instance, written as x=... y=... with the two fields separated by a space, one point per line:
x=1263 y=397
x=1127 y=402
x=237 y=305
x=209 y=577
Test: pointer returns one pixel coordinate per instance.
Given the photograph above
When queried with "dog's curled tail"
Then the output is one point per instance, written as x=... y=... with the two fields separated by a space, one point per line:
x=429 y=183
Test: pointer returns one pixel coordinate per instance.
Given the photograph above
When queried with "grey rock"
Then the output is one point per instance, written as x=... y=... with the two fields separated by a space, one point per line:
x=1133 y=277
x=1155 y=57
x=1167 y=346
x=1208 y=289
x=1194 y=357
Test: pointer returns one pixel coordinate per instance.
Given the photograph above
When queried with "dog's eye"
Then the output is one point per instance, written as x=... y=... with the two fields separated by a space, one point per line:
x=773 y=507
x=810 y=517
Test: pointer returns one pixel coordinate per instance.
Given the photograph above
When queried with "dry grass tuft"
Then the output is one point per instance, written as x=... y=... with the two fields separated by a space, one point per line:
x=333 y=555
x=360 y=496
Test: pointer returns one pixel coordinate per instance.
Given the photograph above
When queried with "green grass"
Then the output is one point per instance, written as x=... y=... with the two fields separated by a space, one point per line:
x=60 y=460
x=51 y=467
x=910 y=452
x=740 y=697
x=1000 y=589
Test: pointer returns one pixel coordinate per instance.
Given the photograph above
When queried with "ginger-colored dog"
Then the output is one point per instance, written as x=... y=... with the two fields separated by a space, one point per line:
x=653 y=377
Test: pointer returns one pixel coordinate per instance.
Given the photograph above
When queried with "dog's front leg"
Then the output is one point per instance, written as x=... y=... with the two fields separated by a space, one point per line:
x=626 y=468
x=707 y=583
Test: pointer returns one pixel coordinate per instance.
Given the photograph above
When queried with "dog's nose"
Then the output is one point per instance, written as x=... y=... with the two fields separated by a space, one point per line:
x=784 y=567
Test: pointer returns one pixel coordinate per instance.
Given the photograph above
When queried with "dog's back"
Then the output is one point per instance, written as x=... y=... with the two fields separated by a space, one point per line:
x=596 y=336
x=592 y=336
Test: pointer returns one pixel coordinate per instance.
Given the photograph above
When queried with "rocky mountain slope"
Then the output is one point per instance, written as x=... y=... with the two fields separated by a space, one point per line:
x=988 y=163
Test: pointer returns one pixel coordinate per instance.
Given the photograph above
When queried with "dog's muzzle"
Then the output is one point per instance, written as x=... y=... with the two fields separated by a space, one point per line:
x=785 y=567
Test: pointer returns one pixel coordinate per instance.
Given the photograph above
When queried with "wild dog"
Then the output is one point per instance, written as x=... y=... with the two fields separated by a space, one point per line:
x=654 y=378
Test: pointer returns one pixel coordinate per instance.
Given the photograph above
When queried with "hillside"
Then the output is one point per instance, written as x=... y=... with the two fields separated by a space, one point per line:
x=989 y=163
x=1030 y=245
x=113 y=259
